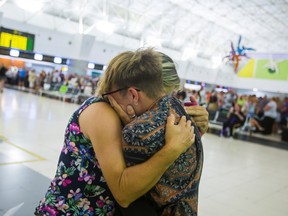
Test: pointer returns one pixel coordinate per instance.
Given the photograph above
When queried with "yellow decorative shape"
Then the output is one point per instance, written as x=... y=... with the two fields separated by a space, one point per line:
x=248 y=70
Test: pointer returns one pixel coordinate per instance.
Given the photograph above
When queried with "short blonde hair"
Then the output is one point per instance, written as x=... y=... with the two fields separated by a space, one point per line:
x=171 y=80
x=141 y=69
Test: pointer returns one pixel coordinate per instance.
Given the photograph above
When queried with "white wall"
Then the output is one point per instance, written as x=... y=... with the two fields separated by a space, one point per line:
x=51 y=42
x=100 y=49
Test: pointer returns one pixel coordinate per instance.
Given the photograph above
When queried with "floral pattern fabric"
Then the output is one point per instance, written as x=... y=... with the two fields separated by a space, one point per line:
x=78 y=187
x=176 y=193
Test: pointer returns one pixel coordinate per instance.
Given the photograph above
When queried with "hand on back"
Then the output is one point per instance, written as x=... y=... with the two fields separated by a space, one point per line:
x=199 y=115
x=179 y=137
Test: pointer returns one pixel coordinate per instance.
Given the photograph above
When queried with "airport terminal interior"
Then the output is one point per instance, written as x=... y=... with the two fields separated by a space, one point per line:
x=231 y=56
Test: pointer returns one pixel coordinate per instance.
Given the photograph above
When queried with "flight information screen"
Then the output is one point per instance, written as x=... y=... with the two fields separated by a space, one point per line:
x=16 y=39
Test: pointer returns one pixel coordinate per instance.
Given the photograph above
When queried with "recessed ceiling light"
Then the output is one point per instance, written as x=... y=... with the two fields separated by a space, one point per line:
x=91 y=65
x=57 y=60
x=14 y=52
x=38 y=57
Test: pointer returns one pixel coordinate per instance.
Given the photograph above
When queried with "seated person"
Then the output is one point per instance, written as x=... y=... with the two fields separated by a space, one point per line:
x=235 y=117
x=265 y=124
x=213 y=102
x=284 y=114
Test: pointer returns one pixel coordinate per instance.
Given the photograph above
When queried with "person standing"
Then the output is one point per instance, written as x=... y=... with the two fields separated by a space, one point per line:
x=22 y=77
x=144 y=136
x=91 y=173
x=3 y=71
x=32 y=79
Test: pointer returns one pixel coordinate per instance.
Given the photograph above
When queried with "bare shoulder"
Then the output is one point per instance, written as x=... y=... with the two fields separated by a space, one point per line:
x=96 y=117
x=96 y=108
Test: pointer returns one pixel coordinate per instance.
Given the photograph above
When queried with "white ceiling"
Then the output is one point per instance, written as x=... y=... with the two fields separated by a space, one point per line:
x=205 y=26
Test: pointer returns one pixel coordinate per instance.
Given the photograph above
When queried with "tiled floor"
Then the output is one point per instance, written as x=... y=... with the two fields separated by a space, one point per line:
x=20 y=186
x=239 y=177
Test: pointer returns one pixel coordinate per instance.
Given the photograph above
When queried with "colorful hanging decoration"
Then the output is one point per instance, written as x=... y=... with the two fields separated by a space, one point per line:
x=236 y=54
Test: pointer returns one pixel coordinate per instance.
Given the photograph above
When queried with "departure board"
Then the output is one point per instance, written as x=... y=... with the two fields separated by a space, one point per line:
x=16 y=39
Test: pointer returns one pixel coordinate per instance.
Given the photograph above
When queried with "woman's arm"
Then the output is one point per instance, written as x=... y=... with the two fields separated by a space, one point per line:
x=240 y=116
x=102 y=126
x=231 y=110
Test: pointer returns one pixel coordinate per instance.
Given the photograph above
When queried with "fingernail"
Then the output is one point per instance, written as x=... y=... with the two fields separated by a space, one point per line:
x=129 y=108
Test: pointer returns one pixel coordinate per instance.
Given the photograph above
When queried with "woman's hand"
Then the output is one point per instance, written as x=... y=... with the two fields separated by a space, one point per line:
x=125 y=117
x=179 y=137
x=200 y=116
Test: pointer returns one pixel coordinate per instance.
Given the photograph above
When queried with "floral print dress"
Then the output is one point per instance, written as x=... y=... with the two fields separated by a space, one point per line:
x=78 y=187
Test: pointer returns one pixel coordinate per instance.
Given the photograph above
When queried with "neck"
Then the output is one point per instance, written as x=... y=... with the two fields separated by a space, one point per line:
x=154 y=101
x=148 y=103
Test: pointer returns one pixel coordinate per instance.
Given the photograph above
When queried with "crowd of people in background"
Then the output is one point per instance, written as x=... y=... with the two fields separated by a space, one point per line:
x=262 y=114
x=25 y=78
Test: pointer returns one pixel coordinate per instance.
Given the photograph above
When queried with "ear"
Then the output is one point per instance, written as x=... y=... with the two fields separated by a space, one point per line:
x=134 y=96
